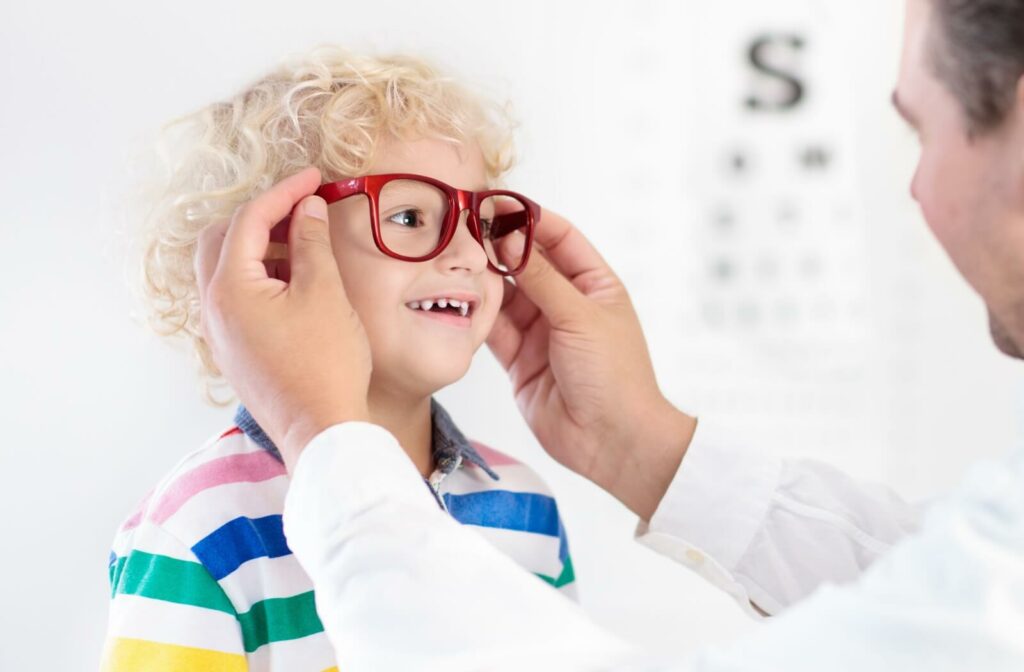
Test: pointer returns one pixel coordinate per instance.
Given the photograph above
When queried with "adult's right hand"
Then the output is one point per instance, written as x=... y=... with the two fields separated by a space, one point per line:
x=570 y=339
x=290 y=343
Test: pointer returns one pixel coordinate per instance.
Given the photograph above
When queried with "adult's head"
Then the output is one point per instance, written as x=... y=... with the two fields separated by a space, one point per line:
x=961 y=88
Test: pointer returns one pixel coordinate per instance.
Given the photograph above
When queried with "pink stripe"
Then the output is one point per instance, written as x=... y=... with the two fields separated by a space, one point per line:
x=251 y=467
x=492 y=456
x=136 y=518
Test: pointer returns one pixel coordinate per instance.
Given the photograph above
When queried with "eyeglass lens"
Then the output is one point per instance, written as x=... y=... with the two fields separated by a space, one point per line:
x=413 y=214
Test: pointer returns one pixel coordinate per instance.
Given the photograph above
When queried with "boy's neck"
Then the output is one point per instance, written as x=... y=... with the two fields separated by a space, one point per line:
x=408 y=419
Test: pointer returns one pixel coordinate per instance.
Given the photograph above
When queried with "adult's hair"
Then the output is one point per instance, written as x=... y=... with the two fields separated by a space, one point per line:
x=978 y=52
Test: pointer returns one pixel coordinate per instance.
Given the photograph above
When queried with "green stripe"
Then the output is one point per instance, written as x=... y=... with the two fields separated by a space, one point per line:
x=162 y=578
x=567 y=576
x=278 y=619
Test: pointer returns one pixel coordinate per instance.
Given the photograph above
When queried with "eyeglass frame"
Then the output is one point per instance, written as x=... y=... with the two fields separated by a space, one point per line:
x=459 y=200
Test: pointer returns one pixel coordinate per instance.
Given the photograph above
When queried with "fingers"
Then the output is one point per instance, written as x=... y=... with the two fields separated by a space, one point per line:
x=567 y=248
x=518 y=308
x=309 y=243
x=247 y=237
x=544 y=285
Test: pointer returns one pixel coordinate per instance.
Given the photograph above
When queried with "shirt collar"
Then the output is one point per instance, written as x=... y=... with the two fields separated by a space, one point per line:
x=448 y=444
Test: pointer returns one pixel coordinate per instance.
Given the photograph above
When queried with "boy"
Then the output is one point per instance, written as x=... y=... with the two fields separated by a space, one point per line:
x=201 y=575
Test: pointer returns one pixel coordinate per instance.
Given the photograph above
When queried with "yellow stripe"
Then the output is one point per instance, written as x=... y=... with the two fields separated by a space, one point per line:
x=331 y=669
x=123 y=654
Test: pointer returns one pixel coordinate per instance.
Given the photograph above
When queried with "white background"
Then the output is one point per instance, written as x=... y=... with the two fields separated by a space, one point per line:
x=857 y=345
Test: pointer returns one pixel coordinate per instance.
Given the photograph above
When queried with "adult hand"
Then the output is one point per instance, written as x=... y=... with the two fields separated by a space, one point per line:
x=570 y=339
x=293 y=349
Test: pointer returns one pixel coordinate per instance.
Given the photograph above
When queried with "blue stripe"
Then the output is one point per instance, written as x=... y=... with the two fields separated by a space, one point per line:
x=112 y=559
x=522 y=511
x=243 y=539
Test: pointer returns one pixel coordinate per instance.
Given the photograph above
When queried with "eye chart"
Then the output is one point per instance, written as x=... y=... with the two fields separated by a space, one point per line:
x=786 y=282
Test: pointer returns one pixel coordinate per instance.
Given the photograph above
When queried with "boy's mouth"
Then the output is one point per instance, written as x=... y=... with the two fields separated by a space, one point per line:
x=458 y=306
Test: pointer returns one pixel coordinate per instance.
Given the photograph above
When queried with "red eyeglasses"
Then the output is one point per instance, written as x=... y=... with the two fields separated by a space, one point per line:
x=414 y=218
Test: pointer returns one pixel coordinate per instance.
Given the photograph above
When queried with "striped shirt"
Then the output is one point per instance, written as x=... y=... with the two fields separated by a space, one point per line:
x=202 y=577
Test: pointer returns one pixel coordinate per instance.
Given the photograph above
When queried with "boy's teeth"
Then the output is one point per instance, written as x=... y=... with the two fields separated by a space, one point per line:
x=461 y=306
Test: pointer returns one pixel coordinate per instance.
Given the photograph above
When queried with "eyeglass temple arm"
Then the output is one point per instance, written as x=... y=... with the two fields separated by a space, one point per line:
x=502 y=225
x=331 y=192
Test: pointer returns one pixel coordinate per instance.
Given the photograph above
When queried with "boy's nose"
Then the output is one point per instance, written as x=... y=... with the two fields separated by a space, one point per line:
x=464 y=251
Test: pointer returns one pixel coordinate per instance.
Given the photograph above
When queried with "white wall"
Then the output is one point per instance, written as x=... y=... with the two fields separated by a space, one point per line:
x=845 y=336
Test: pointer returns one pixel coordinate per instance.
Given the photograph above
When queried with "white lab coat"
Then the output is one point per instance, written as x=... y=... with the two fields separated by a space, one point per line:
x=771 y=531
x=401 y=586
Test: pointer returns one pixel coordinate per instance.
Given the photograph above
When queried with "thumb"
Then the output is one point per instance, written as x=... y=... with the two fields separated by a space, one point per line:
x=543 y=284
x=309 y=244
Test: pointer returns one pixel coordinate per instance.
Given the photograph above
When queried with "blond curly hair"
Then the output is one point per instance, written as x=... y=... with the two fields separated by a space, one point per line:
x=328 y=108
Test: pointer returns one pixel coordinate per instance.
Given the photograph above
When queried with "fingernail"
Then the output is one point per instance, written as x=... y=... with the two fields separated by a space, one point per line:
x=315 y=207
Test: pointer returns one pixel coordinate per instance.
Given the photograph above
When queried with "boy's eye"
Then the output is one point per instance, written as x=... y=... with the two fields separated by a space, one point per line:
x=485 y=228
x=407 y=218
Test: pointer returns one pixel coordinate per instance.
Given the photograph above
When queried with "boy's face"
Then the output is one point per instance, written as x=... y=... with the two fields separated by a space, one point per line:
x=417 y=352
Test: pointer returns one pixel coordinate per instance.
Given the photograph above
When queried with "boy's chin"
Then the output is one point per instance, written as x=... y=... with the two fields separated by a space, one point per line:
x=424 y=378
x=439 y=379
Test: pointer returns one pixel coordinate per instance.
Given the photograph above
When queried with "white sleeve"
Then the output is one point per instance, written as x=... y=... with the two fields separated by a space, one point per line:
x=945 y=599
x=770 y=531
x=400 y=585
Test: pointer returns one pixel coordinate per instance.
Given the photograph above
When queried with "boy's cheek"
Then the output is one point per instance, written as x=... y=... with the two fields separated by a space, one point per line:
x=487 y=317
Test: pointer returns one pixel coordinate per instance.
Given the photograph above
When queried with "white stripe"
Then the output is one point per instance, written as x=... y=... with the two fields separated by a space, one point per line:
x=208 y=510
x=150 y=538
x=537 y=553
x=170 y=623
x=265 y=578
x=514 y=477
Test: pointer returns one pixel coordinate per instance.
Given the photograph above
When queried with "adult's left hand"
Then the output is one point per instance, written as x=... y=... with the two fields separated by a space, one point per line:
x=293 y=349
